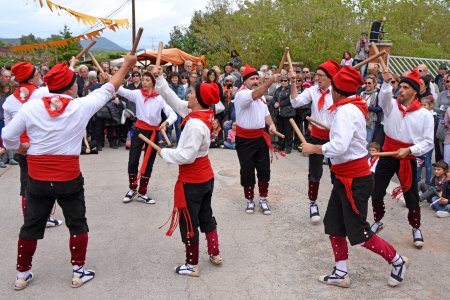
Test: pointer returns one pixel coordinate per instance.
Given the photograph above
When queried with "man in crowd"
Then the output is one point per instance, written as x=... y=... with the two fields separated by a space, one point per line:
x=82 y=79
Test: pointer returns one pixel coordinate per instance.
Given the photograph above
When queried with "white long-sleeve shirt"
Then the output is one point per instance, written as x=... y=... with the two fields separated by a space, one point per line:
x=60 y=135
x=312 y=95
x=150 y=111
x=12 y=104
x=195 y=138
x=250 y=114
x=347 y=135
x=416 y=128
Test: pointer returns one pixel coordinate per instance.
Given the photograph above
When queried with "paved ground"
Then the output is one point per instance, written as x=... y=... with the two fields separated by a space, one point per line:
x=266 y=257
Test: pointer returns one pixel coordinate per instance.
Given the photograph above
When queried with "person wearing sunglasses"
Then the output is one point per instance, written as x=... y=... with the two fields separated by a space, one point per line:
x=283 y=102
x=370 y=94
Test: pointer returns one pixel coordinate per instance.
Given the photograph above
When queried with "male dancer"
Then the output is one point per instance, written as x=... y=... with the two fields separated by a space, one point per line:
x=56 y=124
x=29 y=80
x=148 y=112
x=252 y=142
x=347 y=207
x=320 y=98
x=195 y=185
x=409 y=131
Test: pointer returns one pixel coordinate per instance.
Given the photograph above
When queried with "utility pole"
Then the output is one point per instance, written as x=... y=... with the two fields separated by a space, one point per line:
x=133 y=21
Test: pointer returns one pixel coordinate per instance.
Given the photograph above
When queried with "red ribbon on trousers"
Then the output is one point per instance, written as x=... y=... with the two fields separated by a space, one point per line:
x=345 y=172
x=144 y=126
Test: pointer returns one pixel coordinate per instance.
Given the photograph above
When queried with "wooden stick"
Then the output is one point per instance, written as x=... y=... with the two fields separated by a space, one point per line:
x=136 y=41
x=164 y=134
x=145 y=139
x=367 y=60
x=160 y=49
x=279 y=134
x=79 y=55
x=392 y=153
x=318 y=123
x=283 y=59
x=288 y=57
x=94 y=60
x=380 y=59
x=297 y=131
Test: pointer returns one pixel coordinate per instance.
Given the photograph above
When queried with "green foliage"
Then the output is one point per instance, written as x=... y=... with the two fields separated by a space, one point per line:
x=314 y=30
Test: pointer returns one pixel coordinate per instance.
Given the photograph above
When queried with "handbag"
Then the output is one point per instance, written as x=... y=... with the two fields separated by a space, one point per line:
x=441 y=131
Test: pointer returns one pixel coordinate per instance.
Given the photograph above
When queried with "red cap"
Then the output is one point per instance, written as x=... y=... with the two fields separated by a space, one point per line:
x=347 y=80
x=330 y=67
x=23 y=71
x=60 y=78
x=413 y=79
x=207 y=93
x=249 y=72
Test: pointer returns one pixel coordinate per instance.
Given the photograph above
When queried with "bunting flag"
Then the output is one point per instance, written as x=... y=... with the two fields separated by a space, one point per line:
x=87 y=19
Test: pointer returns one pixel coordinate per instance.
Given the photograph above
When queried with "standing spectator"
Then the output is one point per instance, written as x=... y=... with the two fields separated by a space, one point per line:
x=214 y=78
x=199 y=69
x=235 y=58
x=105 y=67
x=423 y=71
x=303 y=111
x=306 y=72
x=347 y=59
x=439 y=80
x=282 y=98
x=375 y=111
x=189 y=80
x=441 y=106
x=447 y=136
x=395 y=85
x=82 y=79
x=362 y=51
x=228 y=68
x=424 y=87
x=4 y=93
x=187 y=67
x=428 y=104
x=179 y=90
x=230 y=143
x=6 y=76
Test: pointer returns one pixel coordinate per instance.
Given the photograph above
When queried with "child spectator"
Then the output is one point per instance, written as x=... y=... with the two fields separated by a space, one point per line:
x=442 y=206
x=374 y=147
x=2 y=151
x=216 y=135
x=433 y=191
x=230 y=143
x=427 y=103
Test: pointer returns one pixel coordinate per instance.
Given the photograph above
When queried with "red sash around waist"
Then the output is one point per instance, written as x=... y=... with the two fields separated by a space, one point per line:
x=53 y=167
x=257 y=133
x=145 y=126
x=405 y=170
x=320 y=133
x=345 y=172
x=197 y=172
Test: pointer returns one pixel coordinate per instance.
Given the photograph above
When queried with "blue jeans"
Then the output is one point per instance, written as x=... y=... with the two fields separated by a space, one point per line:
x=370 y=133
x=227 y=127
x=438 y=207
x=428 y=168
x=177 y=127
x=229 y=145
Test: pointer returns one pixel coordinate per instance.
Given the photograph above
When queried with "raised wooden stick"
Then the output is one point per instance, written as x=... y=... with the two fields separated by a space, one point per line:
x=95 y=62
x=136 y=41
x=160 y=49
x=283 y=59
x=288 y=57
x=368 y=60
x=297 y=131
x=380 y=59
x=164 y=134
x=392 y=153
x=145 y=139
x=318 y=123
x=82 y=52
x=279 y=134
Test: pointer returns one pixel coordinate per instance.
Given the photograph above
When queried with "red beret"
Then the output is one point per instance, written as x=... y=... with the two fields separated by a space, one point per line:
x=23 y=71
x=60 y=78
x=207 y=93
x=347 y=80
x=413 y=79
x=249 y=72
x=330 y=67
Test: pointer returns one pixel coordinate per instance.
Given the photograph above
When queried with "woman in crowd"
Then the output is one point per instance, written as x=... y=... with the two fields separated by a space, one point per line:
x=347 y=59
x=282 y=98
x=375 y=111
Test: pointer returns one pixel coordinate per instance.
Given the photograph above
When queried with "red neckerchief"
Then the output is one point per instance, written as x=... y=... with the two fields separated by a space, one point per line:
x=262 y=100
x=358 y=101
x=147 y=95
x=24 y=91
x=206 y=116
x=322 y=98
x=55 y=105
x=373 y=160
x=415 y=105
x=348 y=58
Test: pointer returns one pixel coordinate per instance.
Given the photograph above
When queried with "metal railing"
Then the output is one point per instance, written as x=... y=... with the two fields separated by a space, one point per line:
x=400 y=64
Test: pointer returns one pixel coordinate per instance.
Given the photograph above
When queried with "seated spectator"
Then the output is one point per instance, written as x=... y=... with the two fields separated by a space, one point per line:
x=2 y=151
x=374 y=147
x=88 y=147
x=230 y=143
x=347 y=59
x=442 y=206
x=216 y=135
x=432 y=192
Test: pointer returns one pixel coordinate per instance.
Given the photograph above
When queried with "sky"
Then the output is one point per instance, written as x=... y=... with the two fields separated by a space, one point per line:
x=157 y=17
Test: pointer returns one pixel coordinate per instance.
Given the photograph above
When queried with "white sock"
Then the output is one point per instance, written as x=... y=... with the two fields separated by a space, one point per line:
x=23 y=274
x=261 y=199
x=249 y=200
x=76 y=267
x=341 y=265
x=397 y=261
x=396 y=257
x=191 y=266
